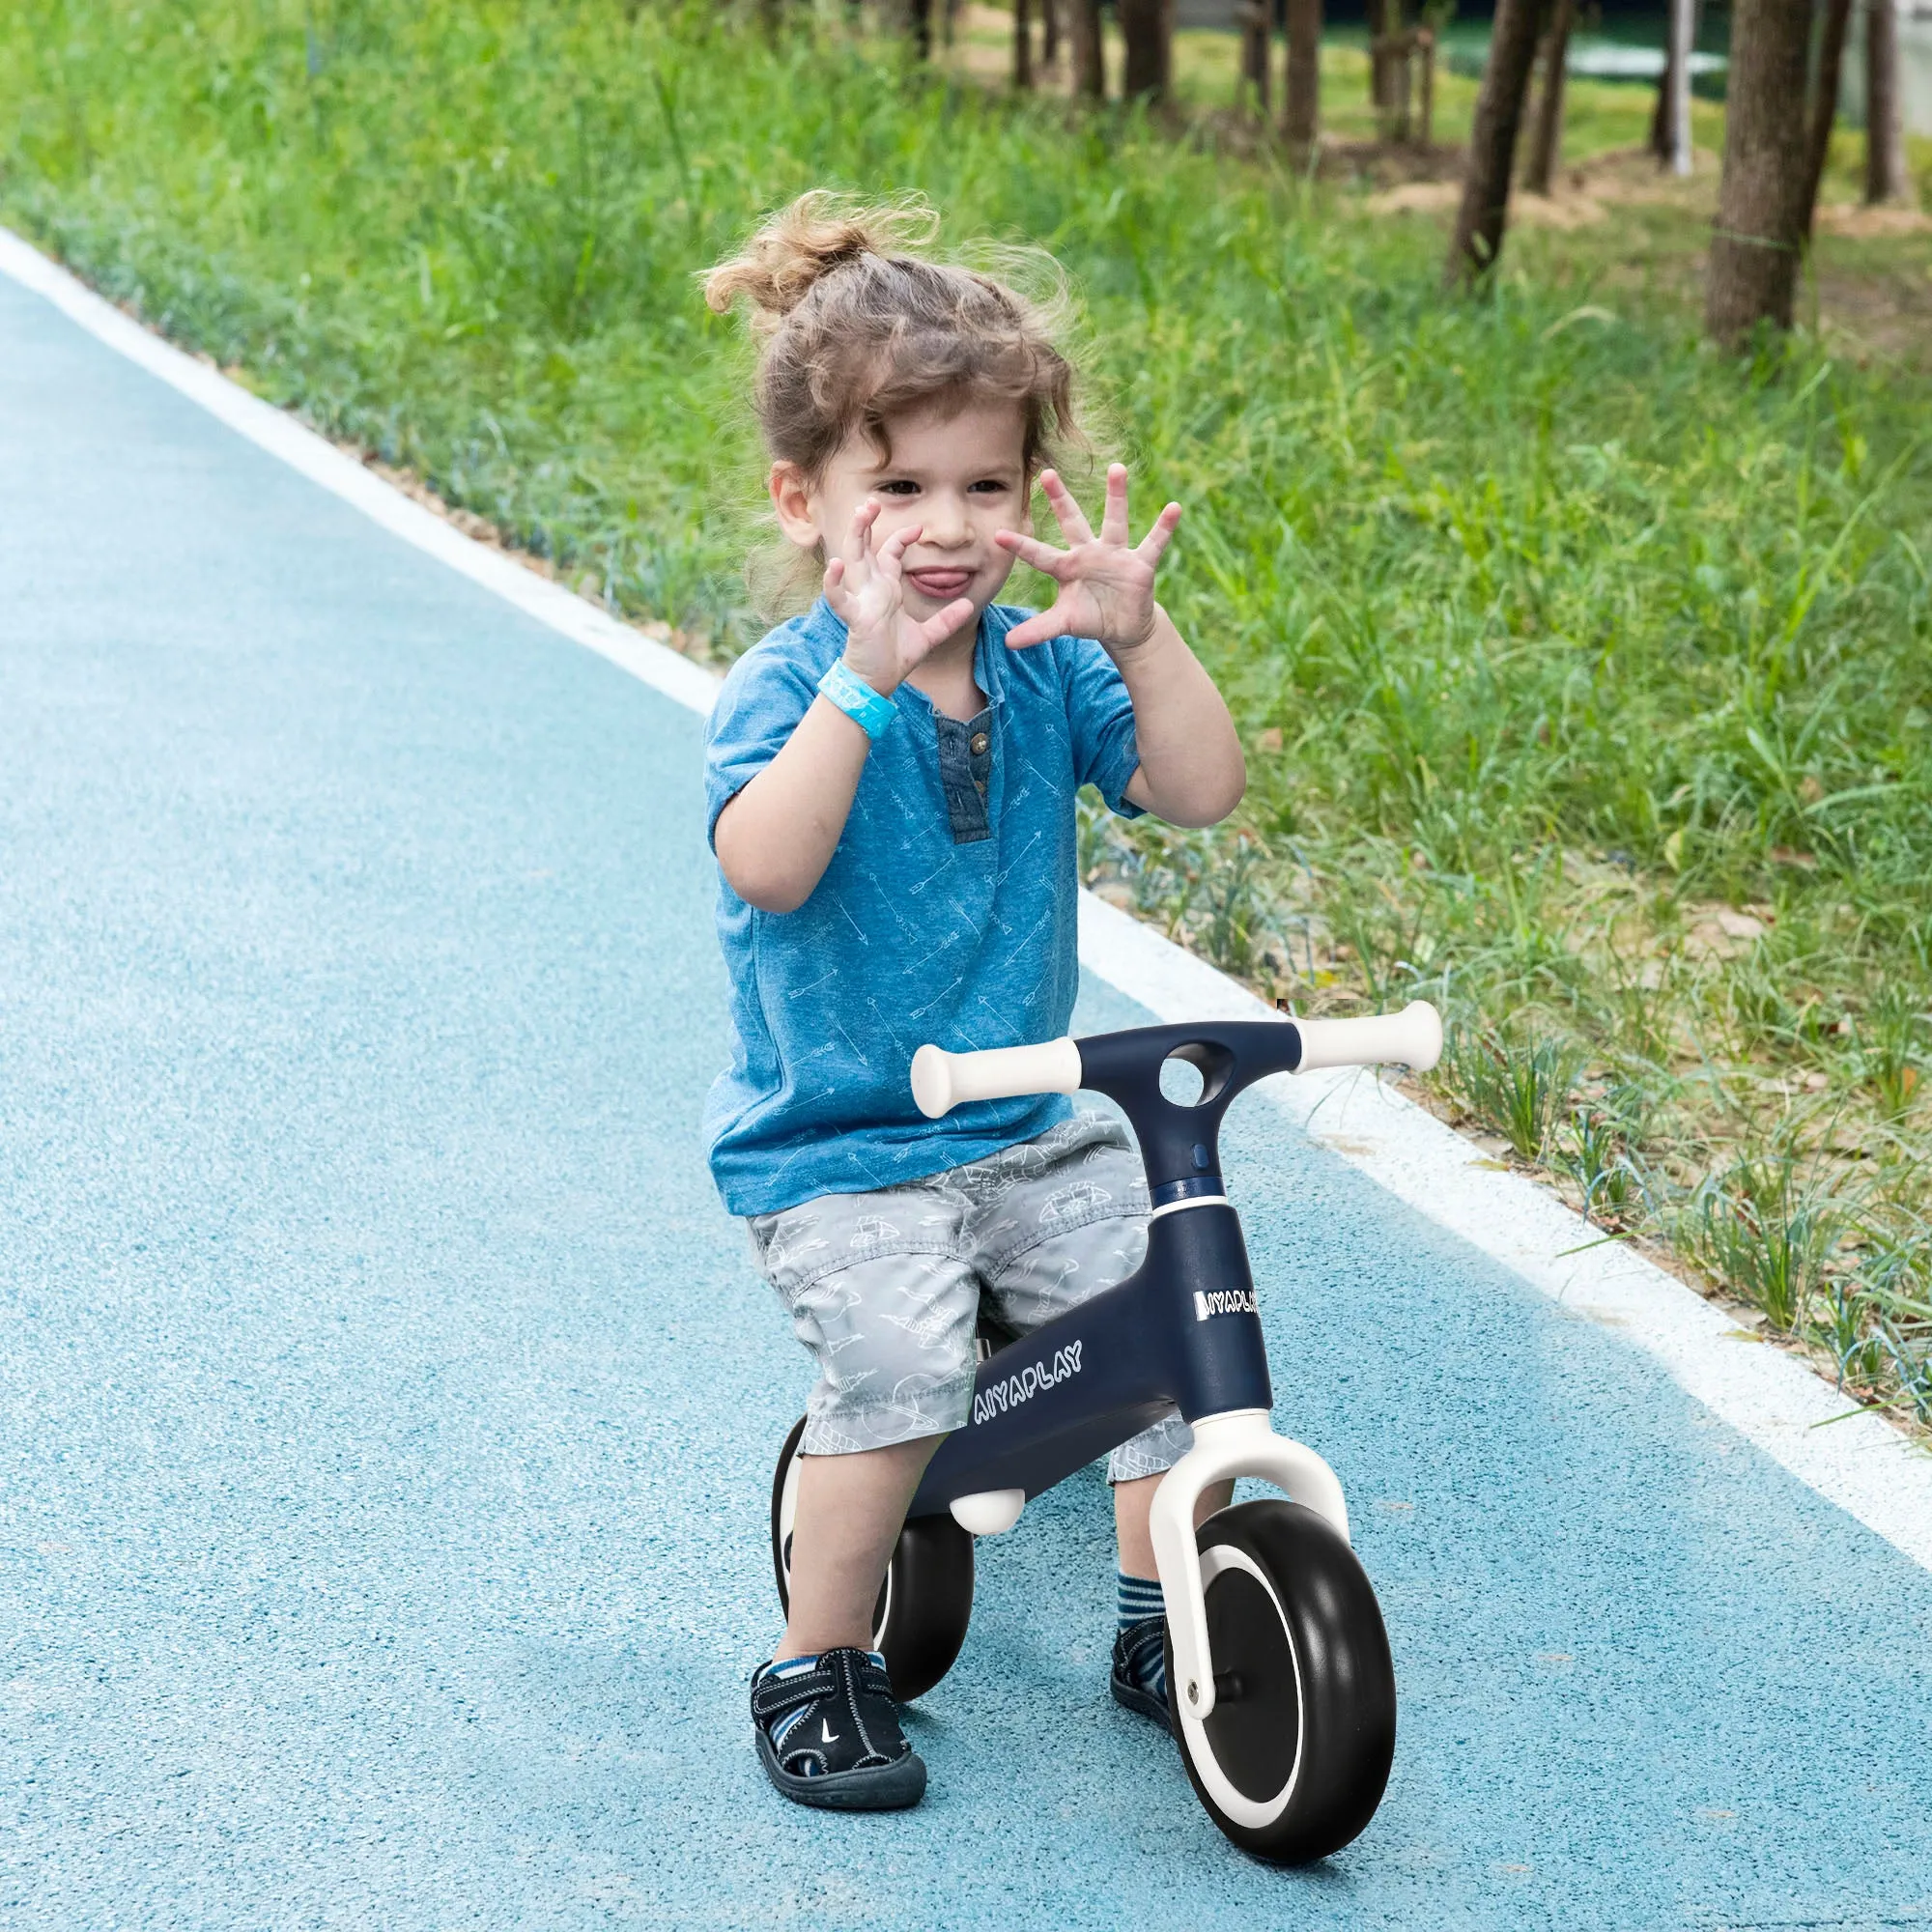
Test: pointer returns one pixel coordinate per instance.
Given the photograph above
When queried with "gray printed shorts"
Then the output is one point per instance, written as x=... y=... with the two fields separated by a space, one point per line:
x=884 y=1288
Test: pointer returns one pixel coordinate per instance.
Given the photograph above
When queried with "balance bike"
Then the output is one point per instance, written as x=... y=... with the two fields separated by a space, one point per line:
x=1280 y=1686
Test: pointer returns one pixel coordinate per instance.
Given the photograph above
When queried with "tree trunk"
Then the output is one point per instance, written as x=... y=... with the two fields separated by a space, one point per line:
x=1388 y=69
x=1146 y=26
x=1660 y=114
x=1301 y=112
x=919 y=25
x=1378 y=26
x=1256 y=37
x=1825 y=101
x=1546 y=136
x=1022 y=45
x=1049 y=43
x=1761 y=225
x=1684 y=16
x=1479 y=222
x=1664 y=116
x=1090 y=50
x=1425 y=43
x=1885 y=121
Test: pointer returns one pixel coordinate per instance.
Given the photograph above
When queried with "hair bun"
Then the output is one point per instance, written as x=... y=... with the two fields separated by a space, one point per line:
x=800 y=245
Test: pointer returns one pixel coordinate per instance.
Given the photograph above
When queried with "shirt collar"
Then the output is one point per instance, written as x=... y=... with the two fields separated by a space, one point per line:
x=989 y=654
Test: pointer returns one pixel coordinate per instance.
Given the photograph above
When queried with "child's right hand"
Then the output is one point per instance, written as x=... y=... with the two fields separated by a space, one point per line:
x=866 y=590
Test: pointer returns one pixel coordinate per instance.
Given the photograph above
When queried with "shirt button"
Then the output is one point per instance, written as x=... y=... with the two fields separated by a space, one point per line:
x=977 y=744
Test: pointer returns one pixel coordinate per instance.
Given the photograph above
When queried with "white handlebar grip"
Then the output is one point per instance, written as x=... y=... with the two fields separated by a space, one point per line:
x=942 y=1080
x=1413 y=1036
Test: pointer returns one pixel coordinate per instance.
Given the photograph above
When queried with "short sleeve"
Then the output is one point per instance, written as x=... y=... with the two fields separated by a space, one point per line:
x=1106 y=752
x=764 y=697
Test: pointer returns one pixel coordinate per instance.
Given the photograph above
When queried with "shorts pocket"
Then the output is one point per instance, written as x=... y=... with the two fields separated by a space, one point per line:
x=1097 y=1178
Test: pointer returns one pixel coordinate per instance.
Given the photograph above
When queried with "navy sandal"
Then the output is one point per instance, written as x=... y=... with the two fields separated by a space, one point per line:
x=1140 y=1665
x=828 y=1734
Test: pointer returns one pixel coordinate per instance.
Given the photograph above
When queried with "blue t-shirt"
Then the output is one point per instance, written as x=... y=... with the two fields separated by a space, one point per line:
x=947 y=914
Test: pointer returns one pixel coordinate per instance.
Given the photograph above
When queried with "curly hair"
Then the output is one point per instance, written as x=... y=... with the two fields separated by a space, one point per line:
x=855 y=327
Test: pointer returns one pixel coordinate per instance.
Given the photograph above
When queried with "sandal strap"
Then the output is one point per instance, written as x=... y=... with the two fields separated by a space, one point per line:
x=1138 y=1642
x=772 y=1698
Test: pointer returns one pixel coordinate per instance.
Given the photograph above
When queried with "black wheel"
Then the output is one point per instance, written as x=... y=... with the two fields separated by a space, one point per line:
x=926 y=1600
x=1294 y=1758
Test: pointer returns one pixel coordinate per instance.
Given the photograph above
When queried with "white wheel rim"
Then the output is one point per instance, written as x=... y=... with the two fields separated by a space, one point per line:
x=1255 y=1814
x=787 y=1516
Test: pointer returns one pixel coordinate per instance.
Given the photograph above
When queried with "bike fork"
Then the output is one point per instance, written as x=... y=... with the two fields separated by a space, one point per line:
x=1239 y=1442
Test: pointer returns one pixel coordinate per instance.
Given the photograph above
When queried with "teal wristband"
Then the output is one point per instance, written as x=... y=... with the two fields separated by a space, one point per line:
x=857 y=699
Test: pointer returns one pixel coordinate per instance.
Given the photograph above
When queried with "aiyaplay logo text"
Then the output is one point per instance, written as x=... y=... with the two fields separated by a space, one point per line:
x=1223 y=1301
x=996 y=1398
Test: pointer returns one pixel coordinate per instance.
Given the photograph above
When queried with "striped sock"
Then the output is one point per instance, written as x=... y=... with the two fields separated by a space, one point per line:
x=1137 y=1598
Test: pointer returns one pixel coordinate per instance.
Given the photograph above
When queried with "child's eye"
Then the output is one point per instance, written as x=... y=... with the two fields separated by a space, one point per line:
x=991 y=486
x=898 y=487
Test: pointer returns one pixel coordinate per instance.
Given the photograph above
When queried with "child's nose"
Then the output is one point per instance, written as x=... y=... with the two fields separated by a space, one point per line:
x=946 y=523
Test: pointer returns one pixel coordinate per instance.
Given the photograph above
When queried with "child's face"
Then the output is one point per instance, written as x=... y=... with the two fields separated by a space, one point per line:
x=956 y=478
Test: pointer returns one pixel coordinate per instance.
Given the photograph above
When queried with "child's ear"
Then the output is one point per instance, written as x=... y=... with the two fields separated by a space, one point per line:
x=792 y=501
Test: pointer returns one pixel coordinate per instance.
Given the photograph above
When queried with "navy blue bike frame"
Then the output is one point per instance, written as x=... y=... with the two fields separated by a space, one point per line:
x=1179 y=1333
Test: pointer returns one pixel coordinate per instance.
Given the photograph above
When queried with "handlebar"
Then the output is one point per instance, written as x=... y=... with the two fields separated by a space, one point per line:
x=1412 y=1037
x=942 y=1081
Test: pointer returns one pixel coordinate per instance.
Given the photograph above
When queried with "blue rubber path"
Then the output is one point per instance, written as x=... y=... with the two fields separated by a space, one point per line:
x=386 y=1406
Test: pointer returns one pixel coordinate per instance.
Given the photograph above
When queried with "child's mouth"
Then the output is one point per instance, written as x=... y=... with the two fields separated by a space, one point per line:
x=940 y=584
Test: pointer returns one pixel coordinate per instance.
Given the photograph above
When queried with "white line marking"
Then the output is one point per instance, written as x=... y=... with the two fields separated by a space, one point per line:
x=1774 y=1401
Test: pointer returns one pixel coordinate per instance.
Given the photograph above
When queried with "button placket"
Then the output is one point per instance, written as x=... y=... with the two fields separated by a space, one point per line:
x=981 y=747
x=965 y=762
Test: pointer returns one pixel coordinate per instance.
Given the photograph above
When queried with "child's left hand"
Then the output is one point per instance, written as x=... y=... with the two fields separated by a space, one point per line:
x=1106 y=585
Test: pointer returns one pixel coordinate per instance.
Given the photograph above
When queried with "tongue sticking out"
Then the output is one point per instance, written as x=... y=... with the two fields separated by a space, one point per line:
x=939 y=583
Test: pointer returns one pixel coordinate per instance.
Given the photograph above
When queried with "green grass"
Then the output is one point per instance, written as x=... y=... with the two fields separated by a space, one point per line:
x=1587 y=674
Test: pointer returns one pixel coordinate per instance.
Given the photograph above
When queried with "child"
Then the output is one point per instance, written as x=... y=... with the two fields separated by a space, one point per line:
x=890 y=782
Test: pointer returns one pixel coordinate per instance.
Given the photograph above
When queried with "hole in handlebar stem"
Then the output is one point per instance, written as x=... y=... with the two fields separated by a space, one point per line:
x=1182 y=1082
x=1194 y=1075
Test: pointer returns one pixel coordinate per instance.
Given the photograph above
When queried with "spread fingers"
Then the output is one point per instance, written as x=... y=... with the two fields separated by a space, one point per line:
x=1029 y=550
x=1067 y=513
x=1157 y=539
x=1114 y=517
